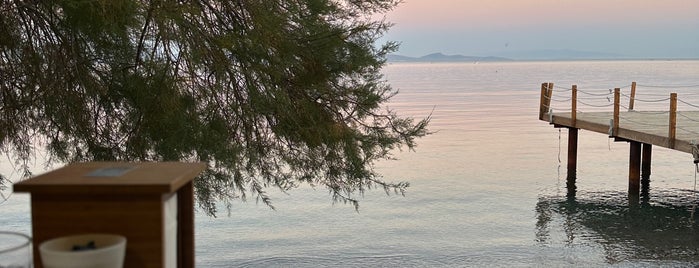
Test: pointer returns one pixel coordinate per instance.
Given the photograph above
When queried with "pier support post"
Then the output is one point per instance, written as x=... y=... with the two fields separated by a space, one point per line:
x=645 y=162
x=572 y=156
x=646 y=155
x=634 y=171
x=572 y=161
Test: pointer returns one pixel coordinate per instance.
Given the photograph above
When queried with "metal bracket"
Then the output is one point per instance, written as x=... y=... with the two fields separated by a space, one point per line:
x=551 y=116
x=611 y=127
x=695 y=153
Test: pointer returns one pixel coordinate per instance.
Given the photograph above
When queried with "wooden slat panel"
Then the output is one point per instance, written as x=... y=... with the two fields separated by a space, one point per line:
x=138 y=218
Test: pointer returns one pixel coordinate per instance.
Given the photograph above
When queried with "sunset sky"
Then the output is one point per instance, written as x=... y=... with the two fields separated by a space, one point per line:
x=632 y=28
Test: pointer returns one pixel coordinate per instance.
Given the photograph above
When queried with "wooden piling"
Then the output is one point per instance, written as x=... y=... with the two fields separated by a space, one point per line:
x=672 y=131
x=646 y=162
x=572 y=162
x=646 y=153
x=634 y=168
x=572 y=154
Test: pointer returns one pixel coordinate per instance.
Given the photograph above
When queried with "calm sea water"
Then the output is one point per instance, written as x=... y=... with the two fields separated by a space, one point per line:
x=487 y=188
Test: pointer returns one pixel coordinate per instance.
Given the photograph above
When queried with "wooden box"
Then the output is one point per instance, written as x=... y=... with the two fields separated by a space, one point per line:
x=151 y=204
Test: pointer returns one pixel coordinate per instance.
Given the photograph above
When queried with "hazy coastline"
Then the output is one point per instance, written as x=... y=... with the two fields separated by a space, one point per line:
x=540 y=55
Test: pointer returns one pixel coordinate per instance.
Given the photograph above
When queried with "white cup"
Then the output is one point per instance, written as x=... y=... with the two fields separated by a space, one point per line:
x=108 y=253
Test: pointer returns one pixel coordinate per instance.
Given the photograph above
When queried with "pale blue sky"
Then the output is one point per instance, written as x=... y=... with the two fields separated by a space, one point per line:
x=632 y=28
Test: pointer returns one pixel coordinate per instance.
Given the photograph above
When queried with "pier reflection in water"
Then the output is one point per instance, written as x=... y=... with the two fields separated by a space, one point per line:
x=662 y=226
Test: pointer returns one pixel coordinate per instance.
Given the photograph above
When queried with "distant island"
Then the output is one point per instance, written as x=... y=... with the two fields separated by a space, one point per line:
x=541 y=54
x=561 y=54
x=439 y=57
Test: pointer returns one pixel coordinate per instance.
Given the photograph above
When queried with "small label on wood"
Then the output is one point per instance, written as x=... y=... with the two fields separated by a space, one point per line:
x=110 y=172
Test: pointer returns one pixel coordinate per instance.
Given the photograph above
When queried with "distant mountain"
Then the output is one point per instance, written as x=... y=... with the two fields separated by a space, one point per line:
x=558 y=54
x=439 y=57
x=539 y=54
x=394 y=58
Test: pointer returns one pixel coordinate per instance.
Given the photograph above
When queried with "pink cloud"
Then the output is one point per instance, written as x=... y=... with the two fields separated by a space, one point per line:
x=522 y=13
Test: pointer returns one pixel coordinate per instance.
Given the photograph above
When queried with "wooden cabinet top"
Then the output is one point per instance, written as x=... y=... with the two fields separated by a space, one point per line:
x=113 y=178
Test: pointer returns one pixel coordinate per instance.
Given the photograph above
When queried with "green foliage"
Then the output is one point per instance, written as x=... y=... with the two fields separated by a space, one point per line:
x=269 y=93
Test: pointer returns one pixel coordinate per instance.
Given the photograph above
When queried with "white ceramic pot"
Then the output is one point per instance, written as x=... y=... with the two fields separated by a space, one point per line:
x=108 y=252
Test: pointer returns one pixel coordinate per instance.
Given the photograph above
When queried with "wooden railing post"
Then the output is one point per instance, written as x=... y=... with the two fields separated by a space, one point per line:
x=615 y=127
x=672 y=132
x=633 y=96
x=549 y=94
x=542 y=102
x=573 y=105
x=545 y=101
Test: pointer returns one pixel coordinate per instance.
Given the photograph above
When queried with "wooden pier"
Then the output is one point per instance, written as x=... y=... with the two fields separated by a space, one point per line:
x=641 y=129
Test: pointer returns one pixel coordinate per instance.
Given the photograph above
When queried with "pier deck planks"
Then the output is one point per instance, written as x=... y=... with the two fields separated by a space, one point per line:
x=641 y=126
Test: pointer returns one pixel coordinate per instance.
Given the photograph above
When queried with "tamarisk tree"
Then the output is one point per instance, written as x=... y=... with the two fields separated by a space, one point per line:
x=270 y=93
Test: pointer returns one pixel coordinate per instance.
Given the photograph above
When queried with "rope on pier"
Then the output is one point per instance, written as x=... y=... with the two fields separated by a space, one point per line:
x=602 y=98
x=687 y=103
x=596 y=94
x=688 y=130
x=668 y=86
x=608 y=98
x=687 y=117
x=646 y=100
x=560 y=99
x=562 y=89
x=596 y=105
